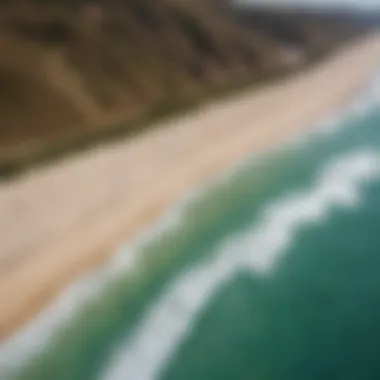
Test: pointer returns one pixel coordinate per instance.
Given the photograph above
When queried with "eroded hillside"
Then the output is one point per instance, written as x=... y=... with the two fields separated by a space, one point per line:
x=74 y=69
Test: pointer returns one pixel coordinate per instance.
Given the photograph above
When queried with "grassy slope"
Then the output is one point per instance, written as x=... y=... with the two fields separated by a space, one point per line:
x=71 y=75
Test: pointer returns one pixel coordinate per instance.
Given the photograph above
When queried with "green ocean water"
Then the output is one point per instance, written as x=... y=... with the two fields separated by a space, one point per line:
x=271 y=273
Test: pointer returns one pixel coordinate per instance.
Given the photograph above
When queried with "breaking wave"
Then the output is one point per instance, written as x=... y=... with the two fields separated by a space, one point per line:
x=170 y=320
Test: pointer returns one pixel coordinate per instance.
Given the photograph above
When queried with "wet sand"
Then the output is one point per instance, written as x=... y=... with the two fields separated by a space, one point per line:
x=61 y=221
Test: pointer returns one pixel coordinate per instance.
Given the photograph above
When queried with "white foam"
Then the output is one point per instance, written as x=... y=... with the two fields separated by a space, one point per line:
x=363 y=102
x=35 y=337
x=171 y=319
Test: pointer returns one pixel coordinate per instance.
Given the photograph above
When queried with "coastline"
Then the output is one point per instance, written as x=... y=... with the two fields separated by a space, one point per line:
x=84 y=206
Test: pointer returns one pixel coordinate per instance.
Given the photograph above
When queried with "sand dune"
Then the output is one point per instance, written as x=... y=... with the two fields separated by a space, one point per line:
x=60 y=221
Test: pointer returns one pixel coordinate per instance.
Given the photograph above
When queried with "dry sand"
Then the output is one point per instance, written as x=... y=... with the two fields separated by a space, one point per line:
x=60 y=221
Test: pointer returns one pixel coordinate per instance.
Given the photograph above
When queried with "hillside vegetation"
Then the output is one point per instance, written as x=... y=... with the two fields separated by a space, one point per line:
x=74 y=71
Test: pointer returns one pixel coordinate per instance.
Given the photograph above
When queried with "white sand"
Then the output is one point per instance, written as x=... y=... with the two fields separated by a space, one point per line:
x=60 y=221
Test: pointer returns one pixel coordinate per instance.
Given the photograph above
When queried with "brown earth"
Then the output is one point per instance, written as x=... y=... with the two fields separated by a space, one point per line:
x=61 y=221
x=71 y=69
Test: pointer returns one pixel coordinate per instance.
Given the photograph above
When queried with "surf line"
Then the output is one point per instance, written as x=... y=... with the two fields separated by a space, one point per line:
x=29 y=342
x=172 y=317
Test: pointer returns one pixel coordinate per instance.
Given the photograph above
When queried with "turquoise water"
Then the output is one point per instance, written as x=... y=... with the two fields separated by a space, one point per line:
x=270 y=273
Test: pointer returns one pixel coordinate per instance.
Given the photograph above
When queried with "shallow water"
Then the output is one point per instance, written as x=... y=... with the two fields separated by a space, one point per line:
x=270 y=272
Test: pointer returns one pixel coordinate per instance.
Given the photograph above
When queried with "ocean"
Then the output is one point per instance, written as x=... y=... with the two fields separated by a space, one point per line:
x=269 y=272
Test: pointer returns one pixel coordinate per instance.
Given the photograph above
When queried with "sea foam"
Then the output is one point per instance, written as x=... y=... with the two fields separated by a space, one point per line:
x=171 y=318
x=31 y=340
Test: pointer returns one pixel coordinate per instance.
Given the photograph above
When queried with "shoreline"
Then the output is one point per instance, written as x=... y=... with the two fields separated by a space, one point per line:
x=73 y=215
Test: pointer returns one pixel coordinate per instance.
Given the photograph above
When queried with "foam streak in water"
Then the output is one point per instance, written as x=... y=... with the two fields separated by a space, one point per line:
x=170 y=320
x=28 y=342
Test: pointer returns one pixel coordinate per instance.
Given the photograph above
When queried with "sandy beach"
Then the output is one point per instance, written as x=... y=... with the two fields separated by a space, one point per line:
x=60 y=221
